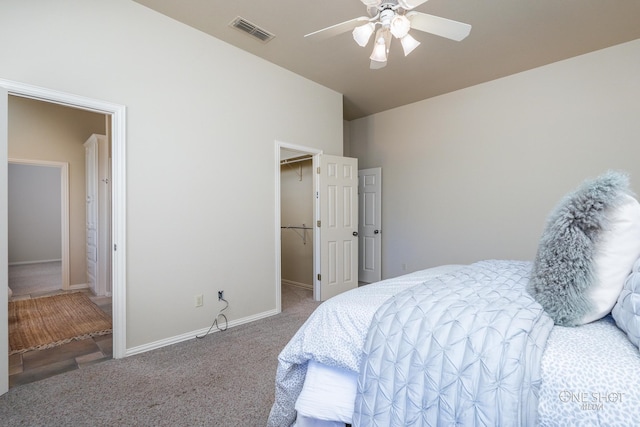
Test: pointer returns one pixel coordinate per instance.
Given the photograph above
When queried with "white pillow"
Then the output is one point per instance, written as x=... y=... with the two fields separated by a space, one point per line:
x=614 y=258
x=586 y=251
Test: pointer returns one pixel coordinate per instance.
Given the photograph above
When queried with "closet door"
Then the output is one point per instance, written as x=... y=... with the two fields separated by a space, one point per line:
x=338 y=204
x=370 y=224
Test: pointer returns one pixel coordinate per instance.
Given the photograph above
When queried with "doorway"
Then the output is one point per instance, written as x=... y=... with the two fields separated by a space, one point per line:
x=335 y=209
x=41 y=235
x=296 y=236
x=116 y=117
x=38 y=225
x=296 y=208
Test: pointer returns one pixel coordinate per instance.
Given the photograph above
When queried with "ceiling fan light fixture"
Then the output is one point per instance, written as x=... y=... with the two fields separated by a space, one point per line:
x=379 y=53
x=393 y=19
x=400 y=26
x=362 y=34
x=408 y=44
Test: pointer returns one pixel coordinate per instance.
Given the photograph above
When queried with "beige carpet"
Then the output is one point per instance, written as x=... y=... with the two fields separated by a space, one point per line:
x=225 y=380
x=46 y=322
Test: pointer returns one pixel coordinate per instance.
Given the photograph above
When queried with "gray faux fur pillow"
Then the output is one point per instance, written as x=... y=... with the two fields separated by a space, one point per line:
x=586 y=251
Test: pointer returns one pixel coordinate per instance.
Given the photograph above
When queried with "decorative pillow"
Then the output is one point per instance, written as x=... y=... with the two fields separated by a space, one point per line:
x=626 y=312
x=587 y=250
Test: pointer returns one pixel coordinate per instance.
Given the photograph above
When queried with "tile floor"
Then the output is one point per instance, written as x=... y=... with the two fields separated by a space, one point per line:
x=40 y=364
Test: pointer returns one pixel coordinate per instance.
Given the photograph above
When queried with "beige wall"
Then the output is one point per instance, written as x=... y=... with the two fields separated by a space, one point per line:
x=51 y=132
x=472 y=174
x=202 y=121
x=296 y=194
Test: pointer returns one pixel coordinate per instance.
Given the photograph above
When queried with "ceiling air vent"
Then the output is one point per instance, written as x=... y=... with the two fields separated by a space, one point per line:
x=251 y=29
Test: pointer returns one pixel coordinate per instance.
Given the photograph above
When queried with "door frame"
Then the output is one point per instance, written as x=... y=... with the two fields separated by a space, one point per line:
x=64 y=209
x=278 y=232
x=118 y=190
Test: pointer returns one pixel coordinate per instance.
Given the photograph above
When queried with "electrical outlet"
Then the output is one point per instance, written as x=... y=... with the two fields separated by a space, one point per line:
x=199 y=300
x=220 y=295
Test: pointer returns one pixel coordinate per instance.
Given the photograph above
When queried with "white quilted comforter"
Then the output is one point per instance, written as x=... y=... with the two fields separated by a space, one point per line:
x=461 y=349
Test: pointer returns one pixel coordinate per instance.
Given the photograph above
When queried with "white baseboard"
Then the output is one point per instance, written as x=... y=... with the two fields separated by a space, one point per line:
x=297 y=284
x=191 y=335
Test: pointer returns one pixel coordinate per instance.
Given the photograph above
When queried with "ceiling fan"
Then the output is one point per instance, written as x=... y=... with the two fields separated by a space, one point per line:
x=395 y=18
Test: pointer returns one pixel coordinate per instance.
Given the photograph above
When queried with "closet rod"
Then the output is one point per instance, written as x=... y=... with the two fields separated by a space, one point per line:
x=298 y=228
x=295 y=160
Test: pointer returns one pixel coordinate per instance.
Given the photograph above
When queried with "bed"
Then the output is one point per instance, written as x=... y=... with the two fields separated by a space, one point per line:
x=553 y=341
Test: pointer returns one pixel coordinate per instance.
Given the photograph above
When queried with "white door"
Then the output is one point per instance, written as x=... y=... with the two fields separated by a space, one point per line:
x=370 y=224
x=4 y=238
x=338 y=205
x=98 y=207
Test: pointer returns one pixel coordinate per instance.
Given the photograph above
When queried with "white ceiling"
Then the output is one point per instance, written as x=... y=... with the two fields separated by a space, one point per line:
x=507 y=37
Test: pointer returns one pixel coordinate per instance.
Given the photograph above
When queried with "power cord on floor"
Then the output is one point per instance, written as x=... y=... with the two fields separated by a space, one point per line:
x=215 y=321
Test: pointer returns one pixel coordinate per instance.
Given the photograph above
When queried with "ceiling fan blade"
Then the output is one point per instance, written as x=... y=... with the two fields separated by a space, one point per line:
x=340 y=28
x=410 y=4
x=442 y=27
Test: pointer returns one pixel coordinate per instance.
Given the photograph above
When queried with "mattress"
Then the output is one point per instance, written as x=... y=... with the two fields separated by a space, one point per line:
x=328 y=396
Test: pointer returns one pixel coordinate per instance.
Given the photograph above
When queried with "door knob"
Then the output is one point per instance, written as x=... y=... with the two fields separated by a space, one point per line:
x=376 y=231
x=355 y=233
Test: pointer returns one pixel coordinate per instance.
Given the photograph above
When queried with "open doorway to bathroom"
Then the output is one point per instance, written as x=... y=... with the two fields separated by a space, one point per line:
x=48 y=225
x=115 y=116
